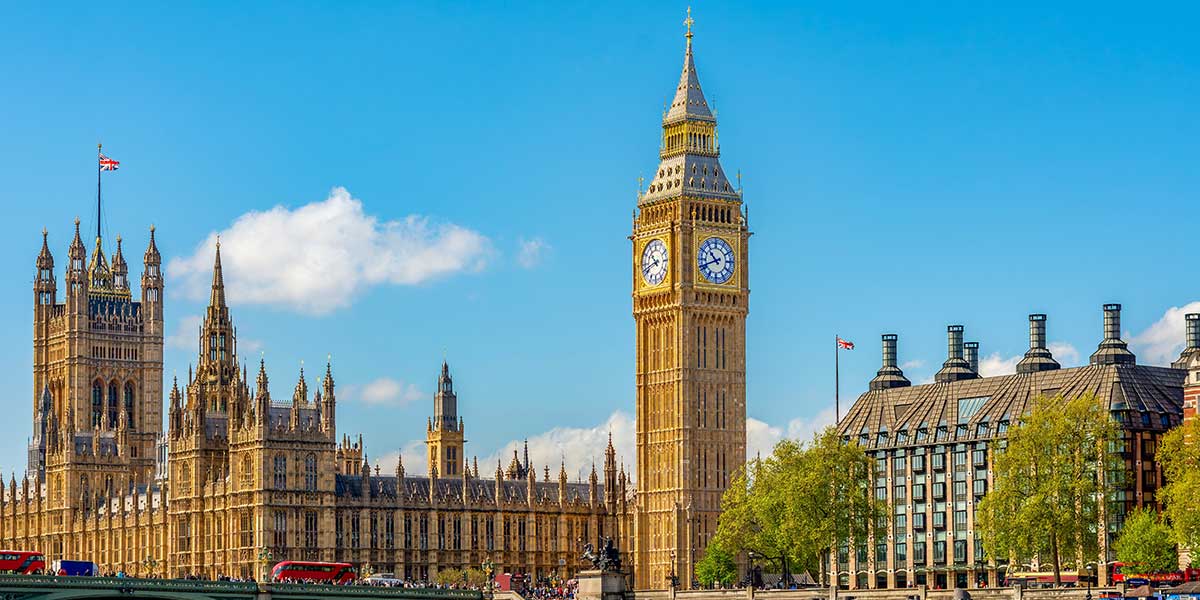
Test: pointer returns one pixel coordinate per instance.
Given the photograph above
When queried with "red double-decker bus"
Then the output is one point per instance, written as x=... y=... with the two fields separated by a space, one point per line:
x=313 y=572
x=1121 y=574
x=22 y=562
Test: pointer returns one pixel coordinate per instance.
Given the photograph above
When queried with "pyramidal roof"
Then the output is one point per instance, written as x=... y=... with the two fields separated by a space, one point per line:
x=691 y=168
x=689 y=102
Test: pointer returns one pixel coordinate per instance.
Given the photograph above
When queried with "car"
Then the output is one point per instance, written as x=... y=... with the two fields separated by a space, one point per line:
x=383 y=579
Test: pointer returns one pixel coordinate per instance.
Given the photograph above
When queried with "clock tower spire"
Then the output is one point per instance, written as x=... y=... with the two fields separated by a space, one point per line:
x=690 y=295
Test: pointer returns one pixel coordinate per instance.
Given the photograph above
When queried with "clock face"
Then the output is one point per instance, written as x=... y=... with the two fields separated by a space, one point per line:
x=715 y=260
x=654 y=262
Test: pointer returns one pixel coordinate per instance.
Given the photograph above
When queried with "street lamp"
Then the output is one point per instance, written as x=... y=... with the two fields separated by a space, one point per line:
x=673 y=577
x=1090 y=568
x=264 y=556
x=750 y=572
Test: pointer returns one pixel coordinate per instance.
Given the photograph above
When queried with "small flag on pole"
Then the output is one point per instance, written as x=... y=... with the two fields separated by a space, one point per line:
x=108 y=164
x=845 y=344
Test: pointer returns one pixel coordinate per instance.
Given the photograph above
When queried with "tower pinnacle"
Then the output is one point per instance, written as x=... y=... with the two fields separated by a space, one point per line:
x=218 y=284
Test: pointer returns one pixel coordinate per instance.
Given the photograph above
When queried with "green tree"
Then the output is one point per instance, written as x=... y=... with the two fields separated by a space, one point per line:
x=1145 y=544
x=1179 y=456
x=792 y=507
x=717 y=567
x=475 y=577
x=1048 y=475
x=448 y=576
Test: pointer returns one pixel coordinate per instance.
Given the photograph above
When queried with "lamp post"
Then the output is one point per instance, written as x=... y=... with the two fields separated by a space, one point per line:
x=264 y=556
x=489 y=568
x=750 y=573
x=673 y=577
x=1090 y=569
x=149 y=563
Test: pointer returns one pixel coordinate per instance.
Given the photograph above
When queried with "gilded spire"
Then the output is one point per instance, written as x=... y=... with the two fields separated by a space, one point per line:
x=45 y=260
x=152 y=257
x=218 y=283
x=120 y=269
x=77 y=251
x=689 y=100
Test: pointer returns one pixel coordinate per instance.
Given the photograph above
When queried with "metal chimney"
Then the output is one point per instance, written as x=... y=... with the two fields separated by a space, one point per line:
x=1038 y=358
x=1191 y=347
x=955 y=368
x=971 y=354
x=890 y=375
x=1112 y=350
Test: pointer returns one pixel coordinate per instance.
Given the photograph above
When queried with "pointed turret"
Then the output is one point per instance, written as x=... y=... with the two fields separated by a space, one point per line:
x=217 y=296
x=100 y=276
x=152 y=286
x=328 y=400
x=120 y=270
x=299 y=399
x=77 y=282
x=45 y=289
x=610 y=476
x=562 y=482
x=399 y=470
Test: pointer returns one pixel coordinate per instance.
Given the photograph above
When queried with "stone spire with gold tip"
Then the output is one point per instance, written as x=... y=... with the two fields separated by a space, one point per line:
x=120 y=270
x=690 y=155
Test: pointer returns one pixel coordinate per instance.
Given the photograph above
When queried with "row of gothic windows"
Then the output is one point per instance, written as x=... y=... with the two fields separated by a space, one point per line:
x=112 y=406
x=281 y=475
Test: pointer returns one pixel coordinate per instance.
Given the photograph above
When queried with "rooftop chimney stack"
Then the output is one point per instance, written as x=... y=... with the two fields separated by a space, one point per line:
x=1112 y=350
x=955 y=368
x=1192 y=338
x=890 y=375
x=971 y=354
x=1038 y=358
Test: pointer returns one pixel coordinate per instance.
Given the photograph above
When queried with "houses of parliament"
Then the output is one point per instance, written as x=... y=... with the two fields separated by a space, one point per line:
x=236 y=475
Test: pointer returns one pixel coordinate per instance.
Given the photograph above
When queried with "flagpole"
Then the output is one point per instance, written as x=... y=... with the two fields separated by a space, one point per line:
x=98 y=168
x=836 y=384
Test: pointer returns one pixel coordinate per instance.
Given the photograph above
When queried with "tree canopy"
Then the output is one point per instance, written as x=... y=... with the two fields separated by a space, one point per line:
x=716 y=568
x=1057 y=461
x=805 y=498
x=1179 y=456
x=1145 y=544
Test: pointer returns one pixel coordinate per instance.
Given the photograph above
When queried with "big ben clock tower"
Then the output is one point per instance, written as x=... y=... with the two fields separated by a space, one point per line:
x=690 y=294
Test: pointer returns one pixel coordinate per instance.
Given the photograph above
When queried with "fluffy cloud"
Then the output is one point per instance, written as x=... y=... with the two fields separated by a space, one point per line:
x=1161 y=343
x=915 y=363
x=995 y=364
x=577 y=446
x=530 y=252
x=761 y=437
x=187 y=333
x=384 y=391
x=321 y=256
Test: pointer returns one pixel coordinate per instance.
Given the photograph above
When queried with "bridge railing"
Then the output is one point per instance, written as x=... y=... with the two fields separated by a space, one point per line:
x=284 y=591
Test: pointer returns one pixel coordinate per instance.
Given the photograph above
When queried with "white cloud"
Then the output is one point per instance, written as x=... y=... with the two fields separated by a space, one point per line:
x=530 y=252
x=187 y=333
x=915 y=363
x=761 y=437
x=578 y=446
x=248 y=345
x=1066 y=354
x=995 y=364
x=321 y=256
x=1160 y=343
x=414 y=454
x=384 y=391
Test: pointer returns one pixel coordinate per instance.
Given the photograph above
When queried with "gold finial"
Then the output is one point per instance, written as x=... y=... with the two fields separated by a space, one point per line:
x=45 y=232
x=641 y=180
x=739 y=176
x=688 y=21
x=152 y=228
x=99 y=145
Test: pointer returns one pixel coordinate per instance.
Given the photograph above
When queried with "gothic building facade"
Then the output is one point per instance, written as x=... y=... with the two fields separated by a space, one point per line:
x=241 y=480
x=933 y=447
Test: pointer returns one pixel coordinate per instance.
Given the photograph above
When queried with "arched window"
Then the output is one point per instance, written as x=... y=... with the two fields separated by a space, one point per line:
x=247 y=471
x=185 y=479
x=97 y=403
x=310 y=472
x=280 y=472
x=113 y=403
x=129 y=413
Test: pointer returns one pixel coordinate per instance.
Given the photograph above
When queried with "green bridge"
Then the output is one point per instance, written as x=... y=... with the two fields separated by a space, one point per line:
x=29 y=587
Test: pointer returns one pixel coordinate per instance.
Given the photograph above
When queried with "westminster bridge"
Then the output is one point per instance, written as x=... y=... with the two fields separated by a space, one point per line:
x=31 y=587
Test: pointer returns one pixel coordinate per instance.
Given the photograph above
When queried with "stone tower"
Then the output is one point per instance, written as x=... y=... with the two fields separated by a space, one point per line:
x=97 y=373
x=444 y=435
x=690 y=294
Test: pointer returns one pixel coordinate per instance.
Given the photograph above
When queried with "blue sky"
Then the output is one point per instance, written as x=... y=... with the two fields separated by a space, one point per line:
x=906 y=166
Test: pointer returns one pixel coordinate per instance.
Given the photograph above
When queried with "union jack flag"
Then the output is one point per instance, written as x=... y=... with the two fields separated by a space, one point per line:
x=845 y=344
x=108 y=164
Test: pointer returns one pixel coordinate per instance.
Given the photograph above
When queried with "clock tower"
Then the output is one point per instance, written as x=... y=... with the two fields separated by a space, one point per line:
x=690 y=294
